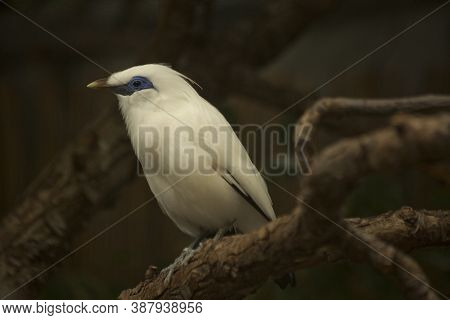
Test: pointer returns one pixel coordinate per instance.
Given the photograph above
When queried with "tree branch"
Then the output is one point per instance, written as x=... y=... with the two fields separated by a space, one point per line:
x=236 y=266
x=347 y=117
x=38 y=229
x=409 y=141
x=36 y=232
x=392 y=261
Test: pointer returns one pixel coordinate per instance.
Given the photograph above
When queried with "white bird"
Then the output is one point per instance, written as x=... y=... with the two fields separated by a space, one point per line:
x=195 y=165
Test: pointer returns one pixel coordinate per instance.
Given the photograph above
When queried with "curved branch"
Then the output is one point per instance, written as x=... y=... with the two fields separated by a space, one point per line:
x=409 y=141
x=236 y=266
x=372 y=113
x=391 y=261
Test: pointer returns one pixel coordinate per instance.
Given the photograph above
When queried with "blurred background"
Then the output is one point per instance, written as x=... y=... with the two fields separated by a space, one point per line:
x=45 y=105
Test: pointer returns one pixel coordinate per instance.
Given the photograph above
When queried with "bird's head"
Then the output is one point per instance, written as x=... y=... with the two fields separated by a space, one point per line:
x=150 y=82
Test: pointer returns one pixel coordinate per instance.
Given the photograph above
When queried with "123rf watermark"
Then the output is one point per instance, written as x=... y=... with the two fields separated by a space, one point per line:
x=183 y=150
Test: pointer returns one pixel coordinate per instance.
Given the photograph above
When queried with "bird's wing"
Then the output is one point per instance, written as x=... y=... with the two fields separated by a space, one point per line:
x=234 y=164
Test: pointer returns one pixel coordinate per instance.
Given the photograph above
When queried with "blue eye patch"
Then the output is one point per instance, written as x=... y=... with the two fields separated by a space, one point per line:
x=136 y=83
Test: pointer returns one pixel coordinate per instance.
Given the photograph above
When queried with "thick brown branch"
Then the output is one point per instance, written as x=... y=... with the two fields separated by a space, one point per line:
x=406 y=228
x=386 y=256
x=33 y=235
x=391 y=261
x=235 y=266
x=409 y=141
x=36 y=233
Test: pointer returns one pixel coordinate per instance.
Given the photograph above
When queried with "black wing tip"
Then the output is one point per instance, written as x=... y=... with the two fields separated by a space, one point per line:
x=249 y=199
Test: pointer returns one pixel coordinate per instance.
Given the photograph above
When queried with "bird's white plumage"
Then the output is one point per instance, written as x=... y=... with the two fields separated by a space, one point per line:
x=222 y=186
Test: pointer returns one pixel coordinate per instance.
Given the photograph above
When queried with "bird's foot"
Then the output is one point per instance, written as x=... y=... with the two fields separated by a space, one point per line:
x=188 y=252
x=182 y=260
x=225 y=231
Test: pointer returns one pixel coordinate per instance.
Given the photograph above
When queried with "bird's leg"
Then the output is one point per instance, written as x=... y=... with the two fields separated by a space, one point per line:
x=189 y=251
x=180 y=261
x=184 y=257
x=198 y=241
x=225 y=231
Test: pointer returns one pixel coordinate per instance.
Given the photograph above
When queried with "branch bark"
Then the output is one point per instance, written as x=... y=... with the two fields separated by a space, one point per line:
x=347 y=117
x=236 y=266
x=391 y=261
x=409 y=141
x=37 y=232
x=38 y=229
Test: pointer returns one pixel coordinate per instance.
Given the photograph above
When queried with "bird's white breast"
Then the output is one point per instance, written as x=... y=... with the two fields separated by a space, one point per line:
x=184 y=176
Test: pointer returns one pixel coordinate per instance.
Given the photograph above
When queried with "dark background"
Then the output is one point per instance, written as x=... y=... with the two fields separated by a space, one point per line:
x=45 y=105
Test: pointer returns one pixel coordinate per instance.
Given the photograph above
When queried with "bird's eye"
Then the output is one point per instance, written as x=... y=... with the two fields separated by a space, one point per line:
x=138 y=83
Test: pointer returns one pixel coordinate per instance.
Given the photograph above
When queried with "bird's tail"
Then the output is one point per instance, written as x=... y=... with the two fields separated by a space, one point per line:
x=286 y=280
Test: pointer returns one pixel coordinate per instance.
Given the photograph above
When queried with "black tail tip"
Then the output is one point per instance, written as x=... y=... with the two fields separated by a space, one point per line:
x=287 y=280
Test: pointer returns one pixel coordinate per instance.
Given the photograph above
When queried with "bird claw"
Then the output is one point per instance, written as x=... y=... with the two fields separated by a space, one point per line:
x=181 y=261
x=419 y=222
x=188 y=252
x=231 y=229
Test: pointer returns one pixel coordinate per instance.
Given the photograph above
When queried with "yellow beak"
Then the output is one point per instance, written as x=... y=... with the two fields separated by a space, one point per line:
x=98 y=84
